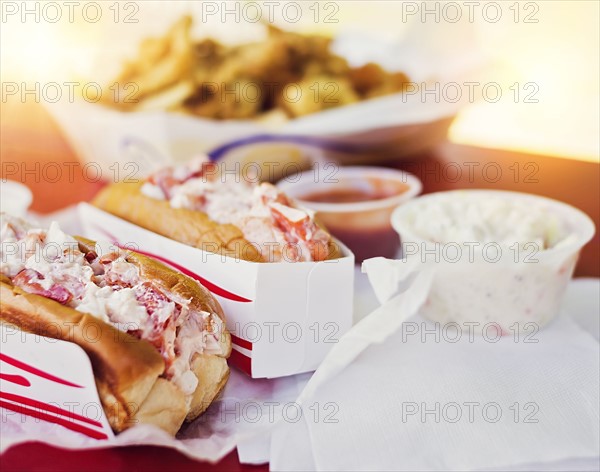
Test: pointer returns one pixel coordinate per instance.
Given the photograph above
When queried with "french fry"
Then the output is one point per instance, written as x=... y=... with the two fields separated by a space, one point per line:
x=207 y=79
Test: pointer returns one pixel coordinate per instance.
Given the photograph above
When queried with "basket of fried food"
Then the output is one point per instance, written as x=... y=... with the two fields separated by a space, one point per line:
x=284 y=76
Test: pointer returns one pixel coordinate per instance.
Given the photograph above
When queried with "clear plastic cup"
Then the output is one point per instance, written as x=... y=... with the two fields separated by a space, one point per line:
x=516 y=288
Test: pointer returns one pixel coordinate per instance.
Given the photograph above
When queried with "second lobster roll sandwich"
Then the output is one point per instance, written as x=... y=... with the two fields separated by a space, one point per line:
x=197 y=205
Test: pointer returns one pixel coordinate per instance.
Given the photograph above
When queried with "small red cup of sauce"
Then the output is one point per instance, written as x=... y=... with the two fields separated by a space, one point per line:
x=355 y=204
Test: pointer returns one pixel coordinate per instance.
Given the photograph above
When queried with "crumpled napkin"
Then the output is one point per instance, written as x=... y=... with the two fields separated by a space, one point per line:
x=405 y=395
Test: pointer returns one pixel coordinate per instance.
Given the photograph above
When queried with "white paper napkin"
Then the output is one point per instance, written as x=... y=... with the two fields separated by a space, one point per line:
x=396 y=405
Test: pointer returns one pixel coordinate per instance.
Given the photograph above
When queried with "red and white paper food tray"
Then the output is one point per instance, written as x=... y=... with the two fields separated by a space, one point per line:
x=283 y=317
x=49 y=395
x=48 y=380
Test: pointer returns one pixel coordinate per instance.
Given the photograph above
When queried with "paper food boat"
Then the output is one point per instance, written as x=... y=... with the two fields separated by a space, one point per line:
x=49 y=380
x=283 y=317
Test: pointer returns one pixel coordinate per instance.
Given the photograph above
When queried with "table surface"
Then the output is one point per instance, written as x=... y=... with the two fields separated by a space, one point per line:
x=30 y=140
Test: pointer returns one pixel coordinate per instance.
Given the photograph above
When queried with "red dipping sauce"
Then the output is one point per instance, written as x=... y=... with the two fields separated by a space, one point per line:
x=347 y=195
x=356 y=207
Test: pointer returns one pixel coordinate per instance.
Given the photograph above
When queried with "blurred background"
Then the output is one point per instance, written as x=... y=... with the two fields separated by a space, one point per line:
x=543 y=54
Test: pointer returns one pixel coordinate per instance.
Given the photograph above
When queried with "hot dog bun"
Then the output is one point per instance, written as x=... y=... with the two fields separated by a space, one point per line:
x=190 y=227
x=128 y=370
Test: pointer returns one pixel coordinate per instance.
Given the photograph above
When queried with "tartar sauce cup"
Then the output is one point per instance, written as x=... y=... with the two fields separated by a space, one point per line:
x=355 y=204
x=15 y=198
x=499 y=258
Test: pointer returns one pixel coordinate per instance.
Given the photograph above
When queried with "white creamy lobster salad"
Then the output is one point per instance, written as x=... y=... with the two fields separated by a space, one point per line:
x=104 y=284
x=265 y=215
x=487 y=219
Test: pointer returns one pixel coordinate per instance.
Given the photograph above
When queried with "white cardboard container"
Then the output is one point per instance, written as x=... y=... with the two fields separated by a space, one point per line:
x=283 y=317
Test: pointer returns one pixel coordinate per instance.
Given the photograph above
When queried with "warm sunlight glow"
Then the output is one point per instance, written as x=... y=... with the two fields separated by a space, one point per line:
x=558 y=112
x=548 y=69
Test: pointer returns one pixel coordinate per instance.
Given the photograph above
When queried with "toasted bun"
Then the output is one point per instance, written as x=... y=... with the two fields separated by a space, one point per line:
x=190 y=227
x=212 y=373
x=127 y=370
x=164 y=407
